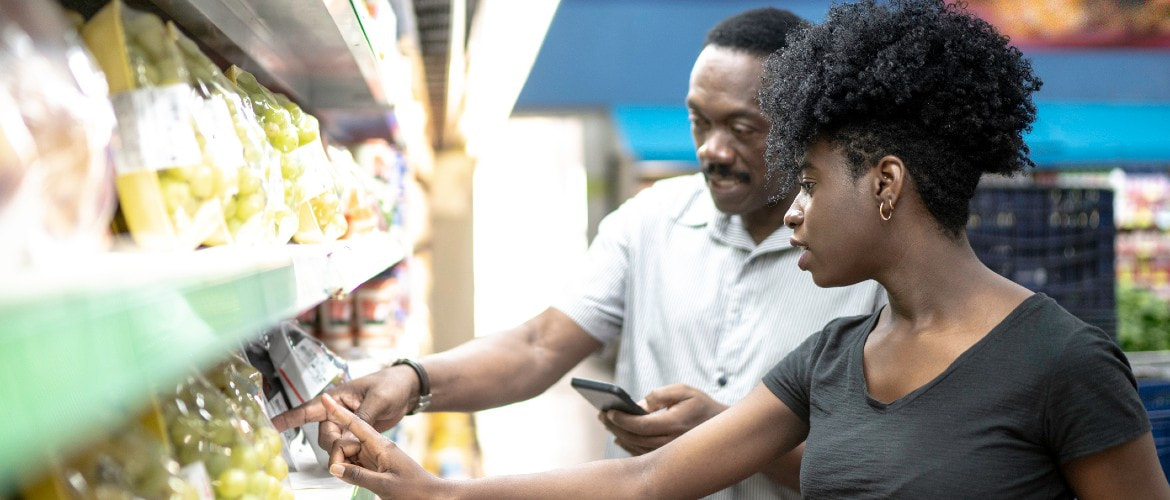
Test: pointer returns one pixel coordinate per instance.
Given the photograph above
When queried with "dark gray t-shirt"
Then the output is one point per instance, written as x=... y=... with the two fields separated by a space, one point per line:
x=1042 y=388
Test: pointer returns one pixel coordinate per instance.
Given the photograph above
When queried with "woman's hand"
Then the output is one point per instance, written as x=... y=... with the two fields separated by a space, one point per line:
x=363 y=457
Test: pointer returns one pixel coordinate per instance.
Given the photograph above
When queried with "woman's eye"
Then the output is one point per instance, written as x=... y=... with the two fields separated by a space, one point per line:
x=807 y=186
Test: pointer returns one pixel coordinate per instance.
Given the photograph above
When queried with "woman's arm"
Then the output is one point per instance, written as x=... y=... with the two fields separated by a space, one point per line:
x=1129 y=470
x=714 y=455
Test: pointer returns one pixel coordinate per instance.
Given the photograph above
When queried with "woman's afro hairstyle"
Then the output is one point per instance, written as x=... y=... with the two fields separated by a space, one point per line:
x=919 y=79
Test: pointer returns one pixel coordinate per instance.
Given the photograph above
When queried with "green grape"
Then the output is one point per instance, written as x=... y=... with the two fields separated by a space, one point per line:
x=176 y=194
x=286 y=493
x=259 y=483
x=295 y=113
x=294 y=193
x=270 y=435
x=231 y=483
x=249 y=181
x=308 y=134
x=217 y=461
x=244 y=456
x=203 y=182
x=227 y=180
x=277 y=468
x=278 y=116
x=291 y=167
x=221 y=432
x=249 y=205
x=247 y=81
x=229 y=210
x=288 y=139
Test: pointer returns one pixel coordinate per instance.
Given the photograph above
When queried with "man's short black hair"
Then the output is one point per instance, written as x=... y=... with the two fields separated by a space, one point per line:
x=919 y=79
x=759 y=31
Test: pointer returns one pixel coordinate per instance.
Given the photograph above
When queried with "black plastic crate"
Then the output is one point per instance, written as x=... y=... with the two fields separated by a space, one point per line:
x=1059 y=241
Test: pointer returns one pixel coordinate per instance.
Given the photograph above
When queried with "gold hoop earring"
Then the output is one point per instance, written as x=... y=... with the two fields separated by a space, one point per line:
x=881 y=212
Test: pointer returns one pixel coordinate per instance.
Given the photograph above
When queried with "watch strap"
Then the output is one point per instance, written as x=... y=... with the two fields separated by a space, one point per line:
x=424 y=384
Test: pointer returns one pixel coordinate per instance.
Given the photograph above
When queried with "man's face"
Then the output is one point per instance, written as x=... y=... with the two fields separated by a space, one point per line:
x=728 y=128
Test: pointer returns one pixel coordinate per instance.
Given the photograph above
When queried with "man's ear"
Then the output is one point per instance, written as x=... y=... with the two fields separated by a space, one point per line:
x=890 y=178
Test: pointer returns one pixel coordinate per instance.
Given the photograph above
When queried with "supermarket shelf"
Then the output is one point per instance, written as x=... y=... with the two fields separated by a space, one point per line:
x=315 y=50
x=82 y=345
x=338 y=268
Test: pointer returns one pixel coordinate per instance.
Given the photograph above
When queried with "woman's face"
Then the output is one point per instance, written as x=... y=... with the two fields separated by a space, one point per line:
x=834 y=219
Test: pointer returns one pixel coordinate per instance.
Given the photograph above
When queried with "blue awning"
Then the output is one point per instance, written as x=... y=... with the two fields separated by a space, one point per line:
x=1066 y=135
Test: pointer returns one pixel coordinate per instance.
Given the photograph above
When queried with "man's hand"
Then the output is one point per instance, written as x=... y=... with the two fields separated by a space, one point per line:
x=683 y=407
x=372 y=461
x=380 y=399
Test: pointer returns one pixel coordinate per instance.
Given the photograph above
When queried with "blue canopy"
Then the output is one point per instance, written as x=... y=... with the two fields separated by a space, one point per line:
x=1066 y=134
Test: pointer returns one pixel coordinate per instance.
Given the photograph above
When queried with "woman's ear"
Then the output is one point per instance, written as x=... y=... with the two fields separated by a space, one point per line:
x=889 y=179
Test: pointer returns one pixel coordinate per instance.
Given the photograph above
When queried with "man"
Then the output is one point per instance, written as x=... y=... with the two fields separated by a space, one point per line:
x=693 y=275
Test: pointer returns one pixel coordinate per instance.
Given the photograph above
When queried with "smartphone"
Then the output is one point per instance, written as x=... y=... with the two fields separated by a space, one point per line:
x=605 y=396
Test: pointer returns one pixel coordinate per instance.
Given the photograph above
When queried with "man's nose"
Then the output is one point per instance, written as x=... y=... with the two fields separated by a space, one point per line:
x=716 y=148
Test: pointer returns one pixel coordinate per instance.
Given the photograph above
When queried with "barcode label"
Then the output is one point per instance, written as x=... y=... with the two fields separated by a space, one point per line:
x=154 y=129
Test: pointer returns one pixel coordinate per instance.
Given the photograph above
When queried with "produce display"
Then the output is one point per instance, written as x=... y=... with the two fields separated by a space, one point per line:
x=309 y=186
x=222 y=429
x=254 y=210
x=124 y=111
x=166 y=184
x=56 y=195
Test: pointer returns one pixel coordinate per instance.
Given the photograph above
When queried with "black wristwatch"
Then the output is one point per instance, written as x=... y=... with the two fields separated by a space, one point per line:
x=424 y=385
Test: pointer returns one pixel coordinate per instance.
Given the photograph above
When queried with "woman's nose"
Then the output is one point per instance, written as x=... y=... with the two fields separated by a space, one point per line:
x=794 y=216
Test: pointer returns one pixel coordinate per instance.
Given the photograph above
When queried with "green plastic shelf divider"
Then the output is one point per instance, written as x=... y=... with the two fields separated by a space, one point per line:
x=76 y=363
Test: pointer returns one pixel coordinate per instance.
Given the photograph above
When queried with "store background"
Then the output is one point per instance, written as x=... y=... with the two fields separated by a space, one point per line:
x=620 y=68
x=536 y=118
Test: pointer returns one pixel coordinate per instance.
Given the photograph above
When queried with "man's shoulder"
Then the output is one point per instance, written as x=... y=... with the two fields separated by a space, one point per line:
x=667 y=199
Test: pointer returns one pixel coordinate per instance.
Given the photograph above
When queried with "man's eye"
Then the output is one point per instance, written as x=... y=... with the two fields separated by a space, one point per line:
x=807 y=186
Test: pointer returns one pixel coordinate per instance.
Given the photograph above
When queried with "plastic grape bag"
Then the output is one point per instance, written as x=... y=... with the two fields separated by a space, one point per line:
x=206 y=427
x=55 y=196
x=254 y=209
x=130 y=464
x=166 y=184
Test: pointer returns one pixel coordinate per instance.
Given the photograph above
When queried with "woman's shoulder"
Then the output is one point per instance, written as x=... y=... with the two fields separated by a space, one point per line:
x=1047 y=331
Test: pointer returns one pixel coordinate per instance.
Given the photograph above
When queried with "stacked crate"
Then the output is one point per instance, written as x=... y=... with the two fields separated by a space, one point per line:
x=1054 y=240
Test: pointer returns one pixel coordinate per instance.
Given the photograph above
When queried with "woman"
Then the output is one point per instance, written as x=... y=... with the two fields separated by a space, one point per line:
x=967 y=384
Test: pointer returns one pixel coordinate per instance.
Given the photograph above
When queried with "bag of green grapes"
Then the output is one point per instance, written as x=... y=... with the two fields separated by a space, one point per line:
x=254 y=209
x=205 y=426
x=166 y=187
x=242 y=384
x=131 y=463
x=296 y=134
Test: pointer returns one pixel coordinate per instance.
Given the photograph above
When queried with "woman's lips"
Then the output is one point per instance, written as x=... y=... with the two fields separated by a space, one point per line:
x=801 y=262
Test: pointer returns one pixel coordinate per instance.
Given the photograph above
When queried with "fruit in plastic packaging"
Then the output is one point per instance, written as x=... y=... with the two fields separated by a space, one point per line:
x=308 y=185
x=166 y=181
x=55 y=125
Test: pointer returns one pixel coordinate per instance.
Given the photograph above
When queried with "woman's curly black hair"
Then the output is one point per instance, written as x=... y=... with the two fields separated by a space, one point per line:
x=919 y=79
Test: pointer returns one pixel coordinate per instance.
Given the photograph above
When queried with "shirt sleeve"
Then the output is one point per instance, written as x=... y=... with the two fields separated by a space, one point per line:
x=1092 y=403
x=596 y=300
x=791 y=378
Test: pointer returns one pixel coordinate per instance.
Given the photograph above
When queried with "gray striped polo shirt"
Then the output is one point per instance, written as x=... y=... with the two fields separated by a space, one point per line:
x=695 y=301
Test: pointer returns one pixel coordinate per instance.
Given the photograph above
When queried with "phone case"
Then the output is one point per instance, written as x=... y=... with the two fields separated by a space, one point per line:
x=605 y=396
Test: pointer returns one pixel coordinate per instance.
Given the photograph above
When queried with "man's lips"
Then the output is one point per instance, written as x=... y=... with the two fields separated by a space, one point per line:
x=725 y=174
